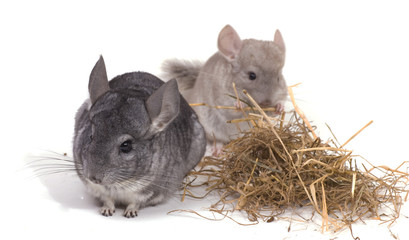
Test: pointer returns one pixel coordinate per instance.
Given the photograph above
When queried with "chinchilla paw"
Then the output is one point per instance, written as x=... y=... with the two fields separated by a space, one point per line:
x=107 y=211
x=131 y=213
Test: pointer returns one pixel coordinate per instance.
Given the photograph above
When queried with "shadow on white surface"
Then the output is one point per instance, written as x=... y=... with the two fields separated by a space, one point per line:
x=68 y=190
x=65 y=188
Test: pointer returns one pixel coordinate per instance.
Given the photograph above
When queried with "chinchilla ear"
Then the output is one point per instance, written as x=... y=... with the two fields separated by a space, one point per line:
x=229 y=43
x=163 y=106
x=98 y=80
x=278 y=39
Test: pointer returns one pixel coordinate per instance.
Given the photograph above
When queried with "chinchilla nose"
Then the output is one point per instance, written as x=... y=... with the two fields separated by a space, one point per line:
x=265 y=103
x=95 y=179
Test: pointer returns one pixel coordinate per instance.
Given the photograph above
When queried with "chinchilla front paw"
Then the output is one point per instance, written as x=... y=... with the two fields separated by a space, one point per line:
x=108 y=209
x=131 y=211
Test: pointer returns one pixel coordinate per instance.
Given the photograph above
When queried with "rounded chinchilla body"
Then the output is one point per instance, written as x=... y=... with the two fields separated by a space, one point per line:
x=135 y=140
x=252 y=65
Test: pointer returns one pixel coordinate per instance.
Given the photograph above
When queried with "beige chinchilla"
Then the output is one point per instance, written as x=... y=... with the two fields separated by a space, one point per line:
x=253 y=65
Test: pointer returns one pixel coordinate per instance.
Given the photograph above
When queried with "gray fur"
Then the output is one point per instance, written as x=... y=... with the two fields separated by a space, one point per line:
x=98 y=80
x=186 y=72
x=163 y=106
x=160 y=157
x=232 y=63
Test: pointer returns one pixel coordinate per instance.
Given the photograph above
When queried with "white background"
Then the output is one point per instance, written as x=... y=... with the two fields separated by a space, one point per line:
x=352 y=58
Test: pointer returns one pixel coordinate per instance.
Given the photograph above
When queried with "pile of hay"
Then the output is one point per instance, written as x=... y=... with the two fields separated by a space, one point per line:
x=279 y=166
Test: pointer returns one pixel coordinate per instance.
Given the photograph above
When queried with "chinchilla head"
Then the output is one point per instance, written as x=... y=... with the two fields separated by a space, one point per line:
x=115 y=134
x=255 y=65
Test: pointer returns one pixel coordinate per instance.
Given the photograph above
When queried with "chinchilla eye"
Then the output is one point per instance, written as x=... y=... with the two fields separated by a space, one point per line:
x=252 y=76
x=126 y=146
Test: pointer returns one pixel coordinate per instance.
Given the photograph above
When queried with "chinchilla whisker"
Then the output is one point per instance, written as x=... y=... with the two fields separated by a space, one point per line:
x=58 y=155
x=50 y=161
x=55 y=161
x=52 y=170
x=131 y=183
x=51 y=165
x=43 y=172
x=125 y=174
x=44 y=167
x=49 y=173
x=165 y=186
x=60 y=159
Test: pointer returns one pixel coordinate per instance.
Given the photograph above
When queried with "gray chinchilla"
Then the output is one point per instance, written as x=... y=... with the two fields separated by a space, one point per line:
x=135 y=140
x=253 y=65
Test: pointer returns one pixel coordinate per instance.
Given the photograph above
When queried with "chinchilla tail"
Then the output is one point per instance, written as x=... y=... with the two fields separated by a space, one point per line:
x=185 y=72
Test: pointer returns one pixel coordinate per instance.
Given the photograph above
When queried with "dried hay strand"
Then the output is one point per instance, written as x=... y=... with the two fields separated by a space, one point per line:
x=277 y=166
